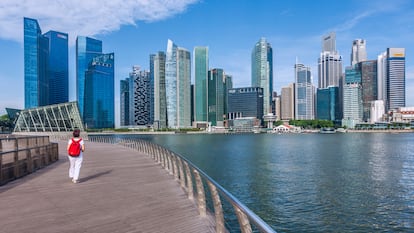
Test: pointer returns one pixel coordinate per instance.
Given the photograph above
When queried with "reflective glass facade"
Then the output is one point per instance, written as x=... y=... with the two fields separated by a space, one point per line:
x=201 y=67
x=304 y=93
x=124 y=102
x=178 y=85
x=36 y=86
x=99 y=109
x=216 y=87
x=395 y=78
x=245 y=102
x=327 y=104
x=262 y=72
x=157 y=70
x=369 y=87
x=86 y=49
x=58 y=72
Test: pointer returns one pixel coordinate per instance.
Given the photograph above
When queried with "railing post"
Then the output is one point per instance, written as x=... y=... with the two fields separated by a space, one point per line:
x=190 y=191
x=201 y=196
x=174 y=161
x=243 y=220
x=16 y=159
x=181 y=170
x=218 y=208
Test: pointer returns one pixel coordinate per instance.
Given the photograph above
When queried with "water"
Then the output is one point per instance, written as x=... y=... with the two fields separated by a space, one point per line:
x=353 y=182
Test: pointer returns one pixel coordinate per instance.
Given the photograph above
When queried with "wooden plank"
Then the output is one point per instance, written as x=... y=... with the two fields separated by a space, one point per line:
x=119 y=191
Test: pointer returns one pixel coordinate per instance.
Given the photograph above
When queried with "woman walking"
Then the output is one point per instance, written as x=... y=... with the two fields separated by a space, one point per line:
x=76 y=146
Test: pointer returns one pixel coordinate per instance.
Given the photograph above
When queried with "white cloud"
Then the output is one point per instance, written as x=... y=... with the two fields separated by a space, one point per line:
x=80 y=17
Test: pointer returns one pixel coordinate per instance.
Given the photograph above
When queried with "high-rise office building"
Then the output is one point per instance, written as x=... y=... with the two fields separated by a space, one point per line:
x=99 y=107
x=86 y=49
x=46 y=72
x=287 y=98
x=216 y=88
x=139 y=104
x=382 y=77
x=329 y=63
x=369 y=86
x=124 y=102
x=353 y=107
x=395 y=78
x=178 y=85
x=304 y=93
x=58 y=68
x=201 y=68
x=327 y=104
x=359 y=51
x=245 y=102
x=157 y=70
x=262 y=72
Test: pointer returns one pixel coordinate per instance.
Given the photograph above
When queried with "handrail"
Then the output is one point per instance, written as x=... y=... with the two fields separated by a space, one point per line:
x=184 y=171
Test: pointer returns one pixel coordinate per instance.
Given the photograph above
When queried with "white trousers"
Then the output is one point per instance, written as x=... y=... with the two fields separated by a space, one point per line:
x=75 y=164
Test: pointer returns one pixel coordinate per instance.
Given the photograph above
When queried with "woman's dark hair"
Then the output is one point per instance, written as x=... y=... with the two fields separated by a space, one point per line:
x=76 y=133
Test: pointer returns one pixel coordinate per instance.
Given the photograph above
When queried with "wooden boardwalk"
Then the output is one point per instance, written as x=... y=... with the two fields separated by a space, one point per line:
x=119 y=191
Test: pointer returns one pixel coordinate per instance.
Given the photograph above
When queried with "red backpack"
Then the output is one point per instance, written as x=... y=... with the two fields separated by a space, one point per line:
x=75 y=148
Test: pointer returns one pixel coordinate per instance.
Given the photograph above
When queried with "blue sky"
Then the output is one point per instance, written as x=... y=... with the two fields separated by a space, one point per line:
x=133 y=29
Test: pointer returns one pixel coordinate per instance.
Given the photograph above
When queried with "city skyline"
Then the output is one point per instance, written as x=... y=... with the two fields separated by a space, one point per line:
x=230 y=39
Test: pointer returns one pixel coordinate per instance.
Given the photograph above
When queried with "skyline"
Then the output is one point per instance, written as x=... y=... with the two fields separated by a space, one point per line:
x=230 y=31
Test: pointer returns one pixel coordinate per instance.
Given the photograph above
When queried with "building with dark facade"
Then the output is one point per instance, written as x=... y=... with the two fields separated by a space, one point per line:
x=99 y=106
x=45 y=66
x=215 y=100
x=369 y=87
x=327 y=104
x=245 y=102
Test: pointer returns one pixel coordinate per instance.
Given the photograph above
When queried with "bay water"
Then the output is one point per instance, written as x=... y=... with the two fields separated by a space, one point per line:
x=343 y=182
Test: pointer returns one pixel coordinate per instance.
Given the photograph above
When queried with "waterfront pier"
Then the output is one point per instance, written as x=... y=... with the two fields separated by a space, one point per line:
x=119 y=191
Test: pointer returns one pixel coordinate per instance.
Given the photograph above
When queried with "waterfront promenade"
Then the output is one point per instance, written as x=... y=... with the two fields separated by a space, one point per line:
x=120 y=190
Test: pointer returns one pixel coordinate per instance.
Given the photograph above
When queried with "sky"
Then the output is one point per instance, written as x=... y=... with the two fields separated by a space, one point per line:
x=134 y=29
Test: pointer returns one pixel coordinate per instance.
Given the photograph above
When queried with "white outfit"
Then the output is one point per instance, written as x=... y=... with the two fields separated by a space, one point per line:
x=75 y=162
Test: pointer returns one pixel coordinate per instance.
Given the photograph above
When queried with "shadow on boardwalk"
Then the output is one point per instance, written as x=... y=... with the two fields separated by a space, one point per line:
x=119 y=191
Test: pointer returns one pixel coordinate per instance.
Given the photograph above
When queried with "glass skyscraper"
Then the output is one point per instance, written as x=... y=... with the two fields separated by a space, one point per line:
x=327 y=104
x=353 y=108
x=45 y=66
x=262 y=72
x=58 y=71
x=99 y=107
x=157 y=71
x=329 y=63
x=216 y=88
x=201 y=68
x=139 y=103
x=395 y=78
x=304 y=94
x=245 y=102
x=124 y=102
x=86 y=49
x=177 y=85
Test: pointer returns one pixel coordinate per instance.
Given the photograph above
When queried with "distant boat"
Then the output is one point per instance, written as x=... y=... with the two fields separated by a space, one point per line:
x=327 y=130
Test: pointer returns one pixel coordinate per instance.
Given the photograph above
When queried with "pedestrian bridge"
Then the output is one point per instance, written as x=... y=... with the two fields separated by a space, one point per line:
x=121 y=189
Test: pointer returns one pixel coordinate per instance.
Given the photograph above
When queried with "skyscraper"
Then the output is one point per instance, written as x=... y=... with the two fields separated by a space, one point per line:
x=395 y=78
x=46 y=72
x=369 y=86
x=124 y=102
x=287 y=98
x=262 y=72
x=327 y=104
x=201 y=68
x=139 y=89
x=304 y=94
x=353 y=107
x=329 y=63
x=86 y=49
x=178 y=85
x=58 y=71
x=99 y=107
x=359 y=51
x=157 y=70
x=216 y=87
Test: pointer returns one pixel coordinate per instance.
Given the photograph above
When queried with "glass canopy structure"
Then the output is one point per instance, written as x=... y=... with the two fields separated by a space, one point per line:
x=52 y=118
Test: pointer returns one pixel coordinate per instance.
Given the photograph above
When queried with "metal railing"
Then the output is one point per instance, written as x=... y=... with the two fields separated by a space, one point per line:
x=22 y=155
x=195 y=182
